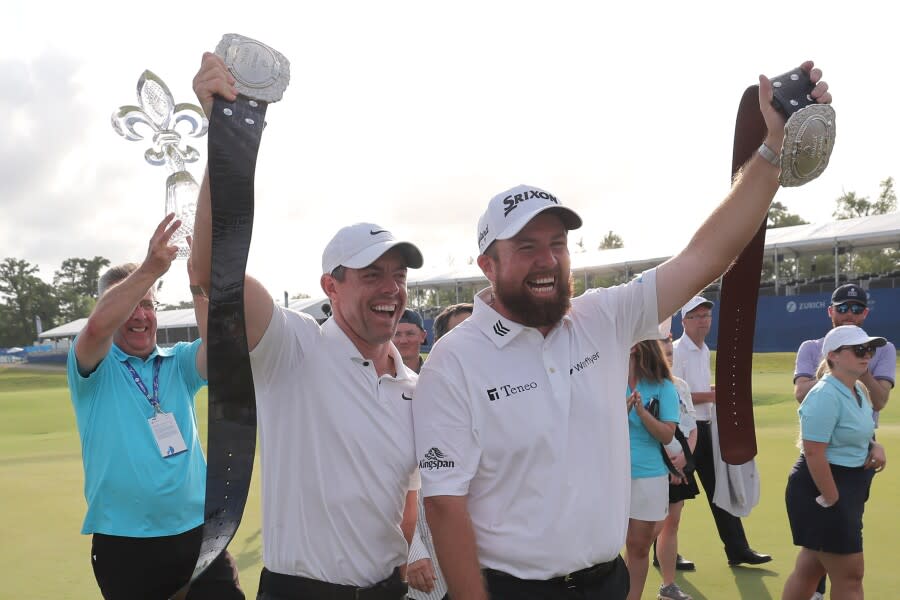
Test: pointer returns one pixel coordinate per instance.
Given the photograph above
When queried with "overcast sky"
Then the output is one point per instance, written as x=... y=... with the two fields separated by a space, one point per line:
x=413 y=114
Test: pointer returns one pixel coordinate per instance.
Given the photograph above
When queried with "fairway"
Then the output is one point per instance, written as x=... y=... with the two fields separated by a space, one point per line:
x=44 y=555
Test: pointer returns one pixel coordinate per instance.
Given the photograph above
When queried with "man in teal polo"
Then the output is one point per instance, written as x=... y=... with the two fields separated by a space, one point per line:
x=144 y=469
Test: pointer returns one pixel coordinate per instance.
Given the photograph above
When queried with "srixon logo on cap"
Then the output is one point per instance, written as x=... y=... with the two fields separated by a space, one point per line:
x=511 y=202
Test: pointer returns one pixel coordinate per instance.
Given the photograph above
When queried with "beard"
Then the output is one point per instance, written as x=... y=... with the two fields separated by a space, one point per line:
x=532 y=312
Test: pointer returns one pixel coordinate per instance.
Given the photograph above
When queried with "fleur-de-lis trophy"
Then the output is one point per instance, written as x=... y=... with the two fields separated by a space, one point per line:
x=162 y=116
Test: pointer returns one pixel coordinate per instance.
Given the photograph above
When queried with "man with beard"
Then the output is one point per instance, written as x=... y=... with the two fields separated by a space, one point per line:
x=520 y=426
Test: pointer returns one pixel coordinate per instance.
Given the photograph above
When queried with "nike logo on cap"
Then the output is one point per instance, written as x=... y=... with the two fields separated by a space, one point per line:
x=376 y=232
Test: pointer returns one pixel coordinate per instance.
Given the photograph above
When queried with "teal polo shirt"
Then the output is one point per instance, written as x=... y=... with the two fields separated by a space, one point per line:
x=130 y=489
x=646 y=457
x=830 y=413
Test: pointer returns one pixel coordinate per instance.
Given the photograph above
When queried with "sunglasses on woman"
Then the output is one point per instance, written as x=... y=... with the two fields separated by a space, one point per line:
x=860 y=350
x=856 y=309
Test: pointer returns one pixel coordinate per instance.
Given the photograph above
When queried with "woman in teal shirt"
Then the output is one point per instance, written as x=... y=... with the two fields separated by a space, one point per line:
x=649 y=381
x=828 y=487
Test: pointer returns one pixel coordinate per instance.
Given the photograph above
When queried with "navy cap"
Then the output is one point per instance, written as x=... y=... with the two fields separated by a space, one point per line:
x=411 y=316
x=849 y=293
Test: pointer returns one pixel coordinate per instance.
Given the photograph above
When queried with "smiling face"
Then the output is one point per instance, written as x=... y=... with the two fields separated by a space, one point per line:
x=367 y=303
x=409 y=339
x=530 y=273
x=137 y=336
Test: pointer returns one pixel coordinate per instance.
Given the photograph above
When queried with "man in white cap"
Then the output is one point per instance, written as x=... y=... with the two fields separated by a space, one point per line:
x=334 y=411
x=335 y=422
x=691 y=362
x=520 y=413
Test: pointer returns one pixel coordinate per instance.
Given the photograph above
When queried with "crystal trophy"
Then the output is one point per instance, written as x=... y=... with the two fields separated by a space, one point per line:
x=158 y=112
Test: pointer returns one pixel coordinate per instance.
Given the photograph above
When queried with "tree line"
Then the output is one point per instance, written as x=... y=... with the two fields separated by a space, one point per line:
x=25 y=297
x=853 y=261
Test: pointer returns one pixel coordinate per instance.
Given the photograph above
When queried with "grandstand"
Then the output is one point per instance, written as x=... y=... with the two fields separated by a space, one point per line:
x=810 y=260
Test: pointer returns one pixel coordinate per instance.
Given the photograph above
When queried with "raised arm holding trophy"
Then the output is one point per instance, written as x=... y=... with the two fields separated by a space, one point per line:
x=338 y=462
x=496 y=534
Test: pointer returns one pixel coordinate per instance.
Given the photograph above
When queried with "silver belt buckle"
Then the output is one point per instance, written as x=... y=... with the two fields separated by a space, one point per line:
x=808 y=142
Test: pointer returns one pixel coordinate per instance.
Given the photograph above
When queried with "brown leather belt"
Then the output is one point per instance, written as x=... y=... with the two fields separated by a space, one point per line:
x=740 y=285
x=737 y=309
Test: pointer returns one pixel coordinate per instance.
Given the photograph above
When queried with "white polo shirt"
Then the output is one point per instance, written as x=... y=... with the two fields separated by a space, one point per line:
x=691 y=363
x=534 y=430
x=337 y=453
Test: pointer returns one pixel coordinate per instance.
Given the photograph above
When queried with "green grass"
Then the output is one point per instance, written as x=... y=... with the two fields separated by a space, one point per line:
x=42 y=503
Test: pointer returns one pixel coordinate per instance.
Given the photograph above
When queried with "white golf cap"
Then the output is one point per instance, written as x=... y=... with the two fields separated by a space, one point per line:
x=849 y=335
x=694 y=303
x=357 y=246
x=508 y=212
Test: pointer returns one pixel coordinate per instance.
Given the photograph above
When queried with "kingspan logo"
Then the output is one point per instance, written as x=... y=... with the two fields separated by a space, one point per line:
x=435 y=459
x=510 y=390
x=510 y=202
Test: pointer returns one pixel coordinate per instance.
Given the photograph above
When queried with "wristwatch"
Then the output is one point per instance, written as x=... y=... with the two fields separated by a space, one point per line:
x=196 y=290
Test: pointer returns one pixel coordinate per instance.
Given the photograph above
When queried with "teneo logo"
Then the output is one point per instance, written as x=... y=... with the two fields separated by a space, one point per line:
x=513 y=201
x=791 y=306
x=510 y=390
x=435 y=459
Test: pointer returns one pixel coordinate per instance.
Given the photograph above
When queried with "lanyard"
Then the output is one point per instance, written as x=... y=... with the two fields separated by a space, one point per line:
x=154 y=399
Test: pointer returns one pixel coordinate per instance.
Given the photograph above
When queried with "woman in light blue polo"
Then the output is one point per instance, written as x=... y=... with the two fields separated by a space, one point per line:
x=649 y=383
x=828 y=487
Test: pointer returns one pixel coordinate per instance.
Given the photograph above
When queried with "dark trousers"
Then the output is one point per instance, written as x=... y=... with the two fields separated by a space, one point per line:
x=156 y=568
x=277 y=586
x=731 y=530
x=612 y=586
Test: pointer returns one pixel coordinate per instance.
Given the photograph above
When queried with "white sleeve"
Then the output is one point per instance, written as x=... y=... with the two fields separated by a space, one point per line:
x=417 y=549
x=631 y=308
x=282 y=345
x=447 y=448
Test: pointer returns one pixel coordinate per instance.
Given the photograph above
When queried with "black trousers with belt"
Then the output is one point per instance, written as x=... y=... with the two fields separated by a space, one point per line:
x=730 y=528
x=608 y=581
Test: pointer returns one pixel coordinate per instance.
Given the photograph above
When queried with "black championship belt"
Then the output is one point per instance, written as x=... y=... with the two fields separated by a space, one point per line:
x=809 y=138
x=235 y=131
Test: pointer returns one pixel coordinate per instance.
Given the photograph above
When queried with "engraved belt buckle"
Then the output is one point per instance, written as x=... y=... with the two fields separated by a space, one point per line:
x=809 y=131
x=808 y=141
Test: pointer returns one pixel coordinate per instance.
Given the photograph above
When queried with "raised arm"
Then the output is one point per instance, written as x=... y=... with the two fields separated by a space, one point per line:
x=119 y=302
x=214 y=79
x=733 y=224
x=201 y=311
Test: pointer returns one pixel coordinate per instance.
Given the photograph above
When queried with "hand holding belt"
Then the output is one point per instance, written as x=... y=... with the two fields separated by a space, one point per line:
x=808 y=141
x=235 y=132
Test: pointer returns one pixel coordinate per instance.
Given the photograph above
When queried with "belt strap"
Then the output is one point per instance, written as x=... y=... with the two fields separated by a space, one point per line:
x=235 y=133
x=737 y=309
x=587 y=575
x=293 y=586
x=740 y=285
